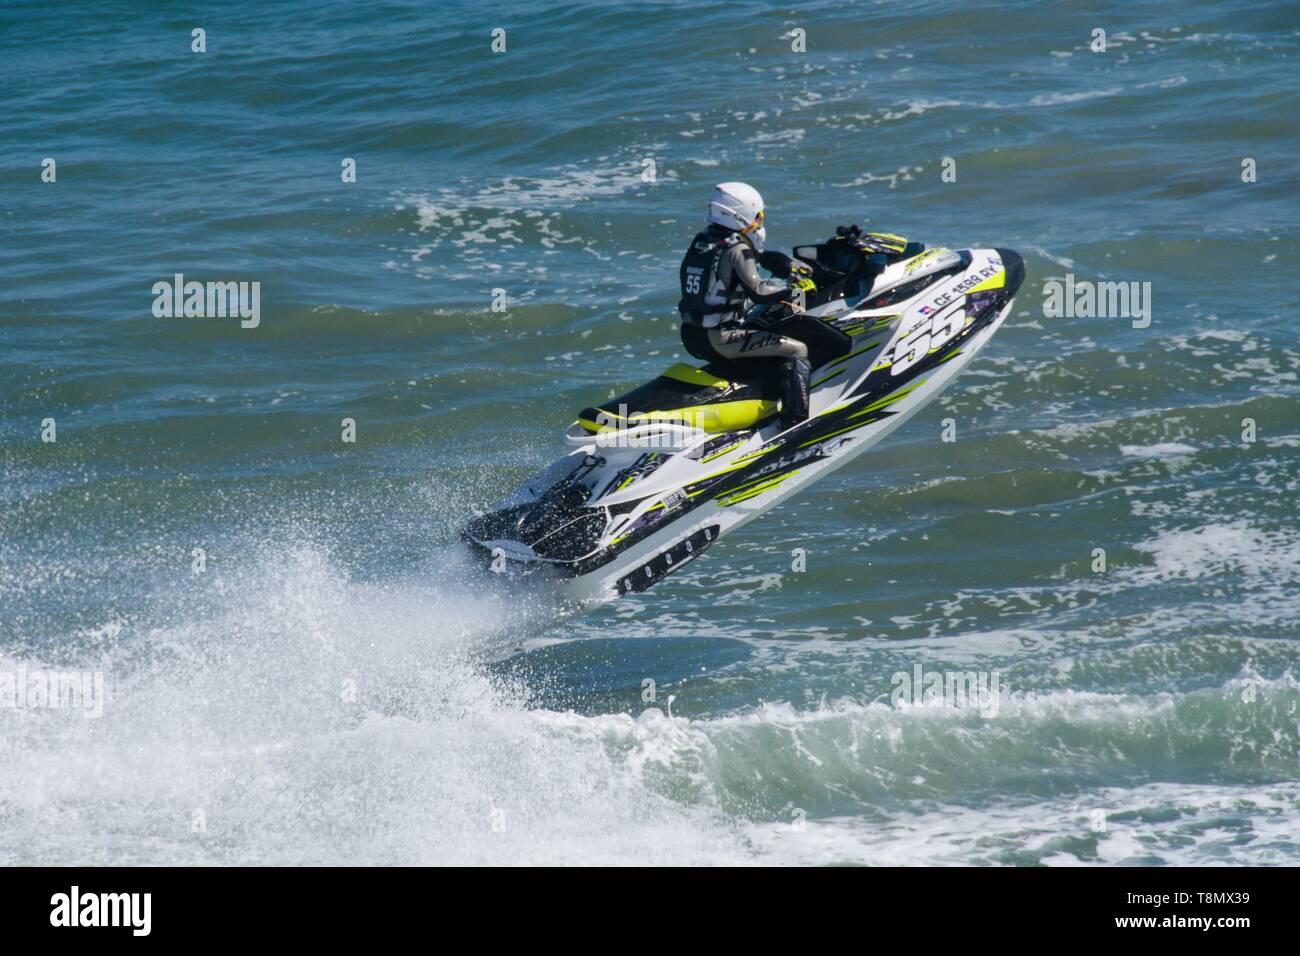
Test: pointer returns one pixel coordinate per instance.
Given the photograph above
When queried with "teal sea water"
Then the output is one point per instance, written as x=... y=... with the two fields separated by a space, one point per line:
x=339 y=685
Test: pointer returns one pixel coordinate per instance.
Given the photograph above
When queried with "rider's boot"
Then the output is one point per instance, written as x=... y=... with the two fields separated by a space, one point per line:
x=794 y=391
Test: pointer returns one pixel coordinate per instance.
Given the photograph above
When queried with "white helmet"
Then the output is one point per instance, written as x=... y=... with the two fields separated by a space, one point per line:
x=739 y=206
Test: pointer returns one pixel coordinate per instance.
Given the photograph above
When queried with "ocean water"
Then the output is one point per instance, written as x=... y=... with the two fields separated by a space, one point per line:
x=339 y=685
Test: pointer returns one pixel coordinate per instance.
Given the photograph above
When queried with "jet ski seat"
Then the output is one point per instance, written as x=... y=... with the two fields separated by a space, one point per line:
x=721 y=396
x=701 y=398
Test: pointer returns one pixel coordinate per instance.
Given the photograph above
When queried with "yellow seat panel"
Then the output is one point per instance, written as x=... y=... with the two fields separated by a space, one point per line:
x=722 y=417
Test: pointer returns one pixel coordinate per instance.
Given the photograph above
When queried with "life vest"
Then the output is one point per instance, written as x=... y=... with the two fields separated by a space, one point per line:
x=705 y=301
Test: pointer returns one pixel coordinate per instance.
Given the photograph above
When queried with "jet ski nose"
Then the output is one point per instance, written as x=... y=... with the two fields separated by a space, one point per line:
x=1014 y=264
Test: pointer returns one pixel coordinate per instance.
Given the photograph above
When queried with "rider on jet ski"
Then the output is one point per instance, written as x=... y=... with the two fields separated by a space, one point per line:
x=719 y=285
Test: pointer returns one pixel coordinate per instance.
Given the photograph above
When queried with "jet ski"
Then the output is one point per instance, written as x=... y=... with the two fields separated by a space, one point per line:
x=655 y=477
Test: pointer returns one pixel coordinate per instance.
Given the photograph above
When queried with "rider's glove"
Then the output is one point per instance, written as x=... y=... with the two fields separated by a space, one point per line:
x=801 y=277
x=872 y=242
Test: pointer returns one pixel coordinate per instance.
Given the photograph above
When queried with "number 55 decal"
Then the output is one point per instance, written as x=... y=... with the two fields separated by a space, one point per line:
x=927 y=337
